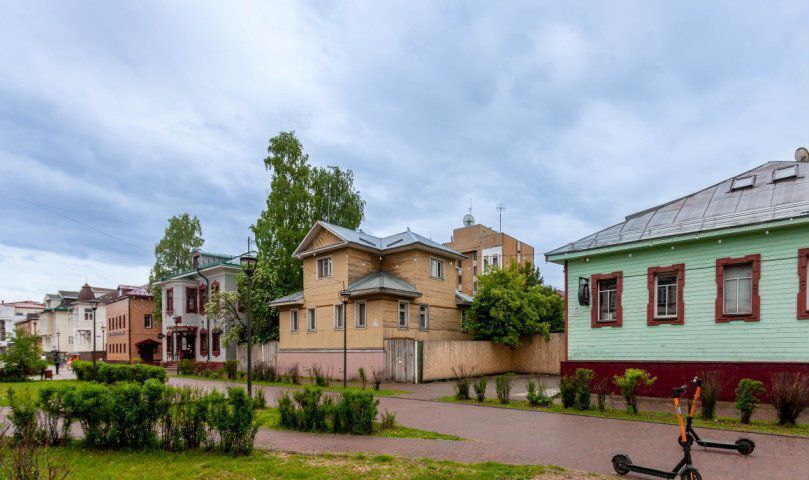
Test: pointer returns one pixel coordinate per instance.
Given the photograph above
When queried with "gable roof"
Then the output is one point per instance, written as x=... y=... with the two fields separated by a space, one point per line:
x=362 y=240
x=382 y=282
x=224 y=261
x=723 y=205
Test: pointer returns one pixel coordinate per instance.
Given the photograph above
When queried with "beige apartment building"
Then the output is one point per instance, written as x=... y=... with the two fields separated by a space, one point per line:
x=484 y=248
x=401 y=287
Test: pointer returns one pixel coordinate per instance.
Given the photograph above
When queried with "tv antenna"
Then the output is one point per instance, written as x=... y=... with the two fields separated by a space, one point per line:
x=500 y=209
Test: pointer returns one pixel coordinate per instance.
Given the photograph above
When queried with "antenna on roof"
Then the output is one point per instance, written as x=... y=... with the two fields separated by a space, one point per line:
x=802 y=155
x=468 y=219
x=501 y=208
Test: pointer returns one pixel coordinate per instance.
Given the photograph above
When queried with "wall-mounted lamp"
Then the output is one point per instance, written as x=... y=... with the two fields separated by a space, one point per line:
x=584 y=291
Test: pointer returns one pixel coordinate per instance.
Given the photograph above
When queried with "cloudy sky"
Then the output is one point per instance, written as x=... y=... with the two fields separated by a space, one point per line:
x=115 y=116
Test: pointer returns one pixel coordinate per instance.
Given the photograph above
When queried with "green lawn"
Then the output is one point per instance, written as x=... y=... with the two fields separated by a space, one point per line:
x=160 y=465
x=306 y=383
x=269 y=418
x=757 y=426
x=32 y=387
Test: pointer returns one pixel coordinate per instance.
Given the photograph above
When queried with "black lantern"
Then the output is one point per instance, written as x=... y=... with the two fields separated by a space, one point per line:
x=248 y=261
x=584 y=291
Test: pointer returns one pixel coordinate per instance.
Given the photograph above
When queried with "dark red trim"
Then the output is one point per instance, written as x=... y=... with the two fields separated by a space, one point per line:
x=215 y=286
x=619 y=288
x=567 y=305
x=651 y=307
x=803 y=279
x=170 y=301
x=190 y=307
x=202 y=294
x=675 y=373
x=216 y=347
x=721 y=263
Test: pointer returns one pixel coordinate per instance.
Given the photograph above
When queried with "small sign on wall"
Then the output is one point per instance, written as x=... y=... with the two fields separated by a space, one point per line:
x=375 y=323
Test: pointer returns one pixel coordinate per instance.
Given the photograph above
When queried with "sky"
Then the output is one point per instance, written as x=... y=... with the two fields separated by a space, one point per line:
x=114 y=116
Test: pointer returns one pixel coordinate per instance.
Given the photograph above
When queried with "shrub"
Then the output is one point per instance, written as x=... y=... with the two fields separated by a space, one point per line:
x=538 y=396
x=747 y=394
x=480 y=388
x=118 y=372
x=462 y=381
x=231 y=366
x=789 y=394
x=259 y=400
x=55 y=414
x=355 y=413
x=22 y=358
x=363 y=377
x=286 y=411
x=602 y=387
x=567 y=390
x=293 y=375
x=90 y=404
x=584 y=379
x=265 y=372
x=184 y=412
x=503 y=387
x=628 y=384
x=23 y=417
x=85 y=371
x=234 y=422
x=312 y=413
x=133 y=414
x=387 y=421
x=318 y=377
x=185 y=367
x=377 y=377
x=712 y=385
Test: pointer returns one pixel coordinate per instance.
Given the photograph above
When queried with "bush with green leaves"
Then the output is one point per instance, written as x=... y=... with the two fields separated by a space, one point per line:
x=502 y=385
x=56 y=415
x=22 y=358
x=463 y=379
x=309 y=411
x=629 y=383
x=602 y=387
x=186 y=367
x=354 y=413
x=23 y=416
x=747 y=398
x=363 y=377
x=265 y=372
x=567 y=391
x=480 y=388
x=231 y=367
x=712 y=386
x=318 y=376
x=234 y=422
x=789 y=395
x=537 y=396
x=117 y=372
x=584 y=380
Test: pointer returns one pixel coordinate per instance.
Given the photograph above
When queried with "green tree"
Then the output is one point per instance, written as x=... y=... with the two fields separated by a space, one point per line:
x=508 y=307
x=172 y=253
x=300 y=194
x=22 y=358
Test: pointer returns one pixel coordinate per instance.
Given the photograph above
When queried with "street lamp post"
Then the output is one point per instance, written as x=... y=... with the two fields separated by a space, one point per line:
x=94 y=303
x=103 y=338
x=345 y=295
x=248 y=262
x=58 y=343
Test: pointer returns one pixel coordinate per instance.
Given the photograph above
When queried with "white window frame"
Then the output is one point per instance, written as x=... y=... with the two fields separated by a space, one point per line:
x=406 y=315
x=424 y=316
x=357 y=323
x=323 y=264
x=676 y=277
x=150 y=323
x=440 y=264
x=311 y=319
x=293 y=324
x=611 y=292
x=735 y=285
x=339 y=314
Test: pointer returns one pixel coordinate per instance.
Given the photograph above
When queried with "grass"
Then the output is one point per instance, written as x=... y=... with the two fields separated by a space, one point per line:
x=336 y=389
x=723 y=423
x=158 y=465
x=32 y=387
x=269 y=418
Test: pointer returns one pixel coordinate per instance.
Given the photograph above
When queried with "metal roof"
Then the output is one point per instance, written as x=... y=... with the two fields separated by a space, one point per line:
x=463 y=299
x=723 y=205
x=382 y=282
x=292 y=299
x=379 y=244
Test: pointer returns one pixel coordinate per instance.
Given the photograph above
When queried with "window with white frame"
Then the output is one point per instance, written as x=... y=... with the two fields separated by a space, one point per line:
x=339 y=317
x=88 y=314
x=495 y=261
x=424 y=317
x=607 y=294
x=324 y=267
x=311 y=320
x=359 y=314
x=293 y=320
x=738 y=289
x=436 y=268
x=147 y=320
x=666 y=295
x=403 y=314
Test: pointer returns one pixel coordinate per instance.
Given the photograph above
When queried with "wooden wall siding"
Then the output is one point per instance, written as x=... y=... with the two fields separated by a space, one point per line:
x=326 y=336
x=778 y=336
x=323 y=239
x=361 y=264
x=414 y=266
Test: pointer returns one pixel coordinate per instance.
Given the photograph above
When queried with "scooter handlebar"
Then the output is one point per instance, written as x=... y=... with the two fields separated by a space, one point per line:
x=697 y=381
x=679 y=390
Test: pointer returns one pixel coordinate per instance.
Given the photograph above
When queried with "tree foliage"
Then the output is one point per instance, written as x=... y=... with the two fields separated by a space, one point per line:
x=300 y=194
x=172 y=253
x=224 y=313
x=512 y=303
x=22 y=358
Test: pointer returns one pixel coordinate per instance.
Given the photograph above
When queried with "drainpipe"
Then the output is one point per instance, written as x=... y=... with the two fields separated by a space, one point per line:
x=207 y=319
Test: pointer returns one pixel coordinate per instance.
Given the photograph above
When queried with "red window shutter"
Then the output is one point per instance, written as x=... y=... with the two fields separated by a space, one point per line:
x=803 y=271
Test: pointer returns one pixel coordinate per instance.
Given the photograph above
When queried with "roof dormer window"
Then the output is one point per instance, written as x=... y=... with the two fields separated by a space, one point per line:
x=785 y=173
x=743 y=182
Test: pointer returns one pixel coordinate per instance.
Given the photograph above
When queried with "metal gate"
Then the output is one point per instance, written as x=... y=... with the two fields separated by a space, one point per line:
x=403 y=360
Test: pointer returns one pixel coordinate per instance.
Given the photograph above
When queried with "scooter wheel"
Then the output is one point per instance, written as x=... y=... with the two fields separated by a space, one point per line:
x=619 y=463
x=689 y=440
x=745 y=446
x=690 y=474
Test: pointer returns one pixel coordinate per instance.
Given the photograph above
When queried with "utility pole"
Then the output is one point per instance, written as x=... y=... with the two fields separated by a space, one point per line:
x=501 y=208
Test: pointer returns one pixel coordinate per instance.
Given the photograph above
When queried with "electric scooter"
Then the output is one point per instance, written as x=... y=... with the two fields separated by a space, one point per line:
x=684 y=469
x=745 y=446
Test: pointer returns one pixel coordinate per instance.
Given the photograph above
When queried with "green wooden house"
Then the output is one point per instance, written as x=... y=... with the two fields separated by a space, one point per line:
x=716 y=280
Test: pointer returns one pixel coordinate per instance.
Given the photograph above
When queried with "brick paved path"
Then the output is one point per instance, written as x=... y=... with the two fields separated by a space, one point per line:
x=577 y=442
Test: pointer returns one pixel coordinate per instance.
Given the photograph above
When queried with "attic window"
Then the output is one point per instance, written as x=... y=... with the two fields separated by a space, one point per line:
x=743 y=182
x=785 y=173
x=367 y=241
x=395 y=243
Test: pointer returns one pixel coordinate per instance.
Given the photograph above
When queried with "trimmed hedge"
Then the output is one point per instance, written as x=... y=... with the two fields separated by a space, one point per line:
x=307 y=410
x=110 y=373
